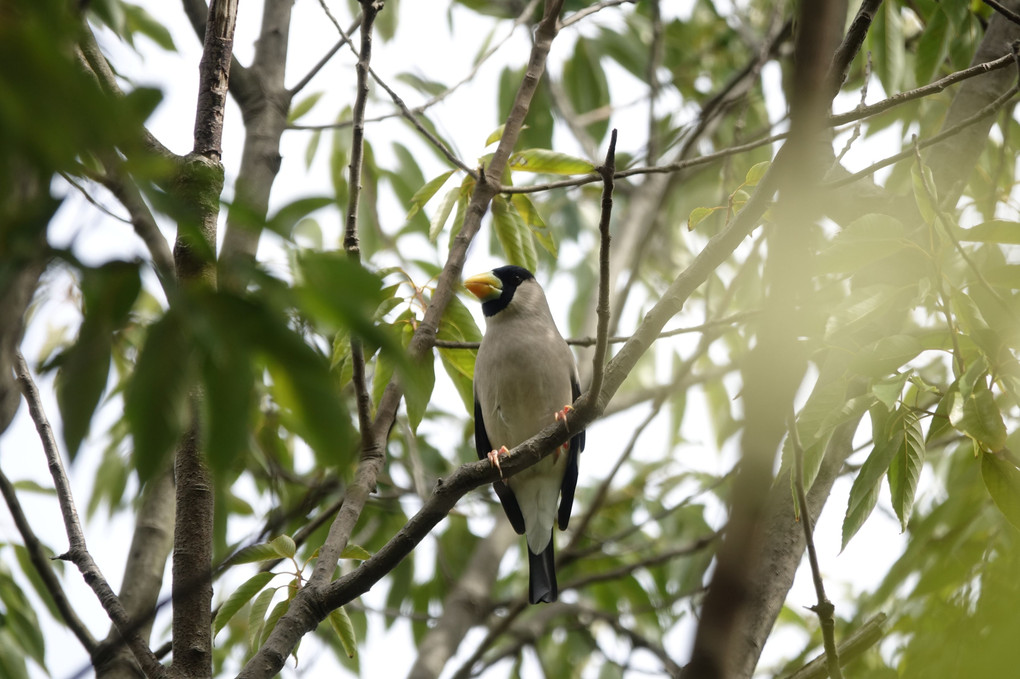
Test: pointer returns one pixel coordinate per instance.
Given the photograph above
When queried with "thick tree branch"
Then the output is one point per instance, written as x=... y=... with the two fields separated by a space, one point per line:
x=199 y=188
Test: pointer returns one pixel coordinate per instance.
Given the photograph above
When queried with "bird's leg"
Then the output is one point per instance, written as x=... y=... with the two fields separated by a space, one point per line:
x=494 y=458
x=562 y=415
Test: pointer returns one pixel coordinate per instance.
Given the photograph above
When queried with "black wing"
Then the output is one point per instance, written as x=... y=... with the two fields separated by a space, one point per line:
x=503 y=492
x=570 y=475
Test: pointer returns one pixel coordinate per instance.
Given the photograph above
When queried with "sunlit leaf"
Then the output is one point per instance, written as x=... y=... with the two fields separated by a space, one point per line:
x=355 y=552
x=864 y=491
x=341 y=624
x=257 y=617
x=239 y=597
x=549 y=162
x=442 y=213
x=905 y=468
x=1002 y=479
x=994 y=231
x=425 y=193
x=757 y=171
x=299 y=109
x=977 y=415
x=698 y=215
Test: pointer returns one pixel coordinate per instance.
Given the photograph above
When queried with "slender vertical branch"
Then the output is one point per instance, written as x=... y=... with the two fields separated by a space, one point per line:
x=372 y=456
x=608 y=171
x=824 y=608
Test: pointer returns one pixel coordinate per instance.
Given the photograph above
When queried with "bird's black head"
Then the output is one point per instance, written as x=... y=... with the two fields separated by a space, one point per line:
x=496 y=288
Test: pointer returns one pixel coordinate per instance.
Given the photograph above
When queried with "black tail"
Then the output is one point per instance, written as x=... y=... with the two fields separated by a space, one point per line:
x=542 y=575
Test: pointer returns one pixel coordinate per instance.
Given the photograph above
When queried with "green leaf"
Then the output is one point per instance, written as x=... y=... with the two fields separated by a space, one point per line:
x=757 y=171
x=527 y=210
x=977 y=415
x=355 y=552
x=109 y=292
x=1002 y=479
x=341 y=624
x=138 y=20
x=239 y=597
x=698 y=215
x=888 y=391
x=495 y=135
x=425 y=193
x=312 y=148
x=30 y=572
x=257 y=553
x=509 y=232
x=20 y=620
x=864 y=491
x=156 y=398
x=549 y=162
x=586 y=85
x=993 y=231
x=905 y=468
x=288 y=216
x=298 y=110
x=284 y=546
x=932 y=46
x=418 y=380
x=867 y=239
x=886 y=356
x=257 y=617
x=442 y=213
x=12 y=660
x=278 y=612
x=885 y=40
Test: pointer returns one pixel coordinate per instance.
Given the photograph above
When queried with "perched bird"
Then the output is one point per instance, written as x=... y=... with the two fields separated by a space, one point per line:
x=525 y=379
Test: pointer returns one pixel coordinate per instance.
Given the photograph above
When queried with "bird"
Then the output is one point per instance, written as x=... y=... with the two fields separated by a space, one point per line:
x=525 y=378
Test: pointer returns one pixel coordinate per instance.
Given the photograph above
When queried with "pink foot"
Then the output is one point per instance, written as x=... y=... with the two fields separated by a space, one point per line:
x=562 y=414
x=494 y=458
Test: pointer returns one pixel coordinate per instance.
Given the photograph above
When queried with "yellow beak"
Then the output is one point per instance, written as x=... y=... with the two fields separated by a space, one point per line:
x=484 y=286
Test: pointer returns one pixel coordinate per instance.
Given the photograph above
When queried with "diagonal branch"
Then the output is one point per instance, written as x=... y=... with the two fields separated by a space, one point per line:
x=77 y=552
x=41 y=562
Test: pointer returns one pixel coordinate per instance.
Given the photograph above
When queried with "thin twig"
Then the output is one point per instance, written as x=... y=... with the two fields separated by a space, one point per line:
x=824 y=608
x=607 y=170
x=863 y=638
x=984 y=112
x=344 y=39
x=77 y=552
x=592 y=9
x=1003 y=10
x=620 y=339
x=404 y=110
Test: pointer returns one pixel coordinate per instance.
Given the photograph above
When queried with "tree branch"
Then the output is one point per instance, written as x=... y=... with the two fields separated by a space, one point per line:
x=373 y=456
x=824 y=608
x=41 y=562
x=77 y=552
